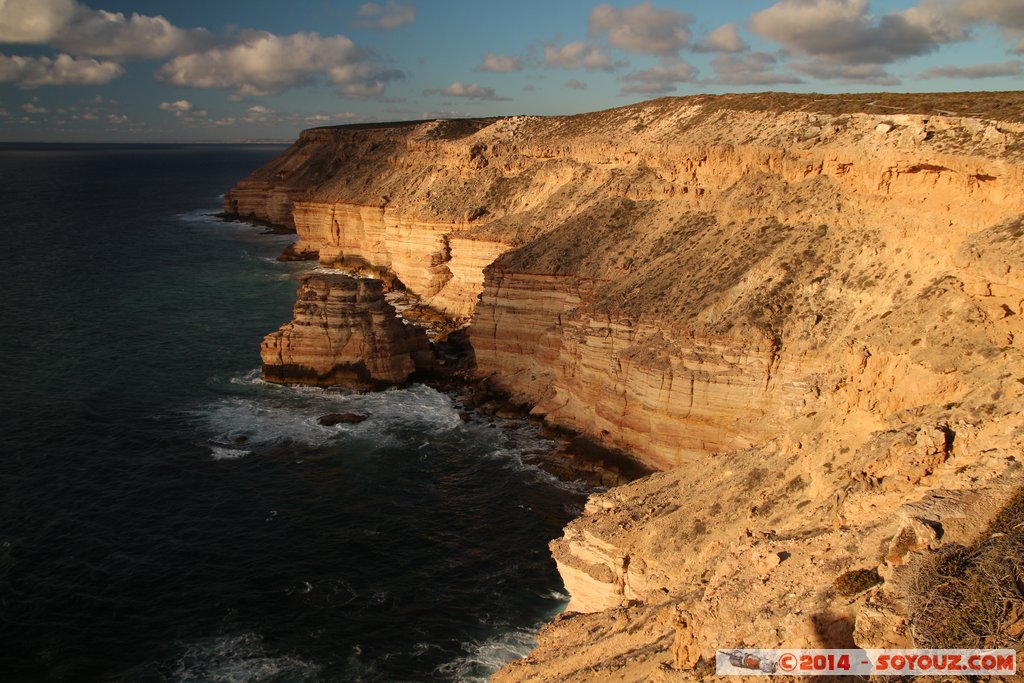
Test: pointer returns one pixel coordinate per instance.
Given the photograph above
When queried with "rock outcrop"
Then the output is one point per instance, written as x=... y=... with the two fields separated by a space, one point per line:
x=806 y=310
x=344 y=333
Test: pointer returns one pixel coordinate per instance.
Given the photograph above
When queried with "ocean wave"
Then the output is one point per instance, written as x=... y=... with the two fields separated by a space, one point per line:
x=227 y=453
x=259 y=423
x=273 y=414
x=237 y=659
x=483 y=658
x=525 y=460
x=203 y=216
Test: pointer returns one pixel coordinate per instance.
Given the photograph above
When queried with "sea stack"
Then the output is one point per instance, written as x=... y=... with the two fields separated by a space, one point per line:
x=344 y=333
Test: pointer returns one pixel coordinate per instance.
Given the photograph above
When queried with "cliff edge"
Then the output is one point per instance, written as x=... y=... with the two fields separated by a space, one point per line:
x=804 y=310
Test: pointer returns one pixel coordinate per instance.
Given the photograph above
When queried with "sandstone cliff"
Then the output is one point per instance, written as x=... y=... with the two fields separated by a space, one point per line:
x=806 y=310
x=344 y=333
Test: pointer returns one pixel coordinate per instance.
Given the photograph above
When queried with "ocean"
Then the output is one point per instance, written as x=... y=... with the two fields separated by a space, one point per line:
x=167 y=516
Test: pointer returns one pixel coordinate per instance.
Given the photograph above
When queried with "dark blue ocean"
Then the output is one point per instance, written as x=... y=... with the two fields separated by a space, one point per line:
x=166 y=516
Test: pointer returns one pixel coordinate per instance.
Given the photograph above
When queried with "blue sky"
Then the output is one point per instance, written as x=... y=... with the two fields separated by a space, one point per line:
x=152 y=71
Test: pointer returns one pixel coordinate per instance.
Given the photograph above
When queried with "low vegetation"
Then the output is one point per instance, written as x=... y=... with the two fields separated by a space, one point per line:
x=973 y=596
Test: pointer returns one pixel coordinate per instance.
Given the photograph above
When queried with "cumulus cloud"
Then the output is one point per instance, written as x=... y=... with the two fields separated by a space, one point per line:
x=843 y=33
x=33 y=72
x=178 y=106
x=870 y=74
x=267 y=64
x=755 y=68
x=1008 y=15
x=500 y=63
x=73 y=27
x=384 y=17
x=642 y=28
x=1011 y=68
x=184 y=110
x=33 y=107
x=112 y=34
x=117 y=119
x=34 y=21
x=577 y=55
x=659 y=79
x=575 y=85
x=473 y=91
x=1003 y=13
x=260 y=115
x=725 y=38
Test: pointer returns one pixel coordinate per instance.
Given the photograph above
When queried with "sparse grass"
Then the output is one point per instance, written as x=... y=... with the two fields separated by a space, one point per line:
x=856 y=581
x=973 y=596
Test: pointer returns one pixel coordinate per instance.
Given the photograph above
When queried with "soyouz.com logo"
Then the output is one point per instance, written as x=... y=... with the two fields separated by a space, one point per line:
x=752 y=662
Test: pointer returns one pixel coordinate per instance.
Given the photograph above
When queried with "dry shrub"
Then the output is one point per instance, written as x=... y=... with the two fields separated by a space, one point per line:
x=856 y=581
x=973 y=596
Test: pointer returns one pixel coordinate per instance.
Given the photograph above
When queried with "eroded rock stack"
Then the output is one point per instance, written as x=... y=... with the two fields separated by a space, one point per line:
x=344 y=333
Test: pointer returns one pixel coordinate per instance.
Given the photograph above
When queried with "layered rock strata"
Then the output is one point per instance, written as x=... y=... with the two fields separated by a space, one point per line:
x=344 y=333
x=806 y=310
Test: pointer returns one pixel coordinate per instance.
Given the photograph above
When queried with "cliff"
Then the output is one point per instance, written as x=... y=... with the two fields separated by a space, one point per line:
x=805 y=310
x=344 y=333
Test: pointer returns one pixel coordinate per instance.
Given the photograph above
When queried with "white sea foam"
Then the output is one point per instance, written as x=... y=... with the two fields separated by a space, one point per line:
x=513 y=457
x=275 y=414
x=251 y=377
x=202 y=216
x=227 y=453
x=237 y=659
x=484 y=658
x=264 y=423
x=278 y=414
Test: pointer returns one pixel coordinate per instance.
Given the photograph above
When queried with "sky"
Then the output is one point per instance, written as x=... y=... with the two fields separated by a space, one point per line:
x=219 y=70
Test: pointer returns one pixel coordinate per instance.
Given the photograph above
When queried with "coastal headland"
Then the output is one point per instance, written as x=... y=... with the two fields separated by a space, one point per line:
x=802 y=312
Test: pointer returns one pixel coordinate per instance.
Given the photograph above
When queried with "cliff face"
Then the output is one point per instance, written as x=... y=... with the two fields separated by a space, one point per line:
x=344 y=333
x=806 y=312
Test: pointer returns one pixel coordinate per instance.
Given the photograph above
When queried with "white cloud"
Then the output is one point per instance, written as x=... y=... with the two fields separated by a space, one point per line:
x=261 y=115
x=1003 y=13
x=1008 y=15
x=71 y=26
x=362 y=90
x=1011 y=68
x=33 y=108
x=33 y=72
x=754 y=68
x=576 y=55
x=575 y=85
x=871 y=74
x=184 y=110
x=117 y=119
x=111 y=34
x=660 y=78
x=178 y=106
x=843 y=33
x=500 y=63
x=266 y=64
x=725 y=38
x=34 y=21
x=444 y=114
x=384 y=17
x=473 y=91
x=642 y=28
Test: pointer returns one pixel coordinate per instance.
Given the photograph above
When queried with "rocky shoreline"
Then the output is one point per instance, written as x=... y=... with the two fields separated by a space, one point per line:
x=804 y=316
